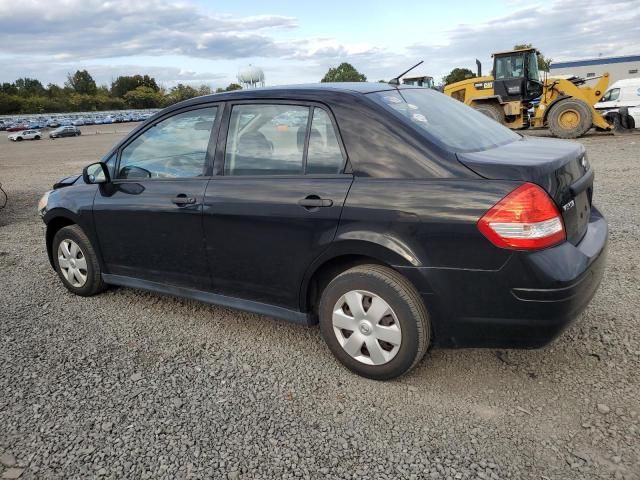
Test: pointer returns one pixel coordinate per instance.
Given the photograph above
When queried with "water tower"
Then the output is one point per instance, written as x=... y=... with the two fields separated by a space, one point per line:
x=251 y=77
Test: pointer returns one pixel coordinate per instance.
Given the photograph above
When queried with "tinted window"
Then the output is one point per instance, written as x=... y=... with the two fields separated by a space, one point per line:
x=324 y=155
x=445 y=121
x=173 y=148
x=266 y=140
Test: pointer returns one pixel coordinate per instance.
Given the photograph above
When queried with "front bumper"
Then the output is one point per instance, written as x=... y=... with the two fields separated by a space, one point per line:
x=524 y=304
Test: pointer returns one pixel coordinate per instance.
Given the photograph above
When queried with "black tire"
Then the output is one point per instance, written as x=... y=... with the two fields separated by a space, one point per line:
x=491 y=110
x=621 y=122
x=19 y=139
x=37 y=137
x=405 y=302
x=569 y=118
x=93 y=283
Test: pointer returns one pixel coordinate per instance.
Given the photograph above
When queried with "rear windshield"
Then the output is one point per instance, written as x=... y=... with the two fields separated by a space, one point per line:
x=445 y=121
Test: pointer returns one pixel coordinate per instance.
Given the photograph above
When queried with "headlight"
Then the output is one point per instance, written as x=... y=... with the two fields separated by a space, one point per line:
x=42 y=204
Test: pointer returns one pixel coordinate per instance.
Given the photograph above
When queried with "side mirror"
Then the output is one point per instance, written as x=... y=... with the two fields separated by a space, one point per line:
x=96 y=173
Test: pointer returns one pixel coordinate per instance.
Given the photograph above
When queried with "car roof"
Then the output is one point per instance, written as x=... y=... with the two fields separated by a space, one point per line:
x=359 y=87
x=626 y=82
x=308 y=91
x=352 y=88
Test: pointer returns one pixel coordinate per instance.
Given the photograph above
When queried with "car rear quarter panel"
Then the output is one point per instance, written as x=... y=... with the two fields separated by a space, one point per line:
x=427 y=223
x=422 y=225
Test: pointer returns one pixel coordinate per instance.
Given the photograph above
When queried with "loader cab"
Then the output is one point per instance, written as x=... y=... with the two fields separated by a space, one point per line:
x=516 y=75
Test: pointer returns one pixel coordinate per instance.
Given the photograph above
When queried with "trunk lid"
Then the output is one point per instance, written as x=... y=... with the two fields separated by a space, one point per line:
x=558 y=166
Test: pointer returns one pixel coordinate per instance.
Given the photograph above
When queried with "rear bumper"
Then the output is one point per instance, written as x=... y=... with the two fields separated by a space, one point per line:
x=524 y=304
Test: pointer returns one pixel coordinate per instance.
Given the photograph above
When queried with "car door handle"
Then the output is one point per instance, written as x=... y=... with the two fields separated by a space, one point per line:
x=182 y=200
x=311 y=202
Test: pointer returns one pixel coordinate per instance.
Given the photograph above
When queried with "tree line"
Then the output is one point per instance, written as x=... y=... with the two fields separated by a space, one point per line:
x=80 y=93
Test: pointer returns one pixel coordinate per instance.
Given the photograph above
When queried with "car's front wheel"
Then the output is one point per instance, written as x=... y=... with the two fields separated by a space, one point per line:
x=76 y=262
x=19 y=139
x=374 y=322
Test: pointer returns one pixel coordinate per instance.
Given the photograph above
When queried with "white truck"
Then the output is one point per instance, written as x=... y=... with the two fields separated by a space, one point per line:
x=623 y=93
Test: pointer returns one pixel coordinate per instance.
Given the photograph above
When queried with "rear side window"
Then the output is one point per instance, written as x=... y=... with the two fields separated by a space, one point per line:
x=266 y=140
x=324 y=154
x=444 y=121
x=175 y=147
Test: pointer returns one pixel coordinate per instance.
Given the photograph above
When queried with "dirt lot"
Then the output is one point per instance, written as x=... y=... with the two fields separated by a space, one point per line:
x=134 y=385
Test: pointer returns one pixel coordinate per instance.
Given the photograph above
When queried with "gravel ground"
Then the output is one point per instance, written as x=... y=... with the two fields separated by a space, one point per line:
x=134 y=385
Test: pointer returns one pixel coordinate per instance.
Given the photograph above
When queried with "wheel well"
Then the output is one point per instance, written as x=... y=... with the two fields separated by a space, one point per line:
x=53 y=227
x=329 y=270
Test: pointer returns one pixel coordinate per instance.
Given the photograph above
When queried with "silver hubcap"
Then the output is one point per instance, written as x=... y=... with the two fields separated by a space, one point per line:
x=73 y=264
x=366 y=327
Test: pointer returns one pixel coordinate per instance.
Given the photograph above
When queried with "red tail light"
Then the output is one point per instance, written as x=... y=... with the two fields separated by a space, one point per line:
x=526 y=219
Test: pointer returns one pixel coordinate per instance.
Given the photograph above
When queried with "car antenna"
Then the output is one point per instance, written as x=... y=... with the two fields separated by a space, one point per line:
x=396 y=80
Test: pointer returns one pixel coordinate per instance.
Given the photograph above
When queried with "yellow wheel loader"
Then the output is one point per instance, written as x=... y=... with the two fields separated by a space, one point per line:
x=565 y=106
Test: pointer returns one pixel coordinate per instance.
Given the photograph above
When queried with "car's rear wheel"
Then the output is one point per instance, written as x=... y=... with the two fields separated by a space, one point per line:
x=374 y=322
x=76 y=262
x=37 y=137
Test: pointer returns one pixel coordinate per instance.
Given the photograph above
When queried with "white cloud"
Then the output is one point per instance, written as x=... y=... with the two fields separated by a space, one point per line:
x=58 y=36
x=561 y=30
x=90 y=29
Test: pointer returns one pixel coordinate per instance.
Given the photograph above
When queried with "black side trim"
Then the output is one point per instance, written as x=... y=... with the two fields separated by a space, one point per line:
x=582 y=183
x=211 y=298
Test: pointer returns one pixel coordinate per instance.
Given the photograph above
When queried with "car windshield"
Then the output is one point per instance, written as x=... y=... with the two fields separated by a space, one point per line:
x=446 y=122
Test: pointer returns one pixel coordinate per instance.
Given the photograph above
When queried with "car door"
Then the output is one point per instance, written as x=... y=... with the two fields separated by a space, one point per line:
x=276 y=201
x=149 y=218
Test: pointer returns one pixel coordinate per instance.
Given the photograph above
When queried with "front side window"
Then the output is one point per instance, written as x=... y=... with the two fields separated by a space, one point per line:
x=266 y=140
x=175 y=147
x=324 y=154
x=611 y=96
x=509 y=67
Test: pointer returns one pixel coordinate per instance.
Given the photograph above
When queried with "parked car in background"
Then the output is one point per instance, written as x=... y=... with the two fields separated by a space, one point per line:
x=17 y=127
x=25 y=135
x=394 y=216
x=3 y=126
x=67 y=131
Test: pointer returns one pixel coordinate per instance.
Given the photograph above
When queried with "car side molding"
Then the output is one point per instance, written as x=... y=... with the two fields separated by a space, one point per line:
x=211 y=298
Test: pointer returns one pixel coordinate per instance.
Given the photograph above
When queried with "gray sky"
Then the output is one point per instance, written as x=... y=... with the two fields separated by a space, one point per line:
x=201 y=41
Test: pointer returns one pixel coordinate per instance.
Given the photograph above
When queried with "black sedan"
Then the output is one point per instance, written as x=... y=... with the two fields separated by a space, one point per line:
x=66 y=131
x=394 y=216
